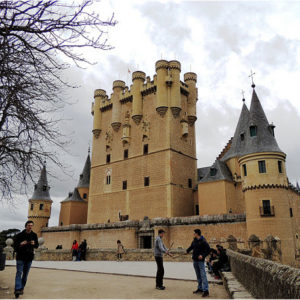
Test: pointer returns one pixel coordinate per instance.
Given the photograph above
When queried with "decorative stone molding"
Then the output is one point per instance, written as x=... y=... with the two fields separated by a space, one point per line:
x=116 y=126
x=162 y=110
x=137 y=119
x=265 y=186
x=96 y=132
x=192 y=120
x=176 y=111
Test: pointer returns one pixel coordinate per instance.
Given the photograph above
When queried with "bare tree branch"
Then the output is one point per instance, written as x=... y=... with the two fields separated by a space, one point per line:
x=32 y=35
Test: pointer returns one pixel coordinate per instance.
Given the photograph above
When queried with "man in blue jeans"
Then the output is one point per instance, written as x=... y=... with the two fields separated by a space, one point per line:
x=24 y=244
x=200 y=250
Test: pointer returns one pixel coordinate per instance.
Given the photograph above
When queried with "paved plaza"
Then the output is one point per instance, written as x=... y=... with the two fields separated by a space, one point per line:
x=173 y=270
x=106 y=279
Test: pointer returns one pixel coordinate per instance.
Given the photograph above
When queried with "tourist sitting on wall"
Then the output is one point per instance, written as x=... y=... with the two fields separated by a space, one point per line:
x=213 y=255
x=74 y=250
x=120 y=250
x=221 y=263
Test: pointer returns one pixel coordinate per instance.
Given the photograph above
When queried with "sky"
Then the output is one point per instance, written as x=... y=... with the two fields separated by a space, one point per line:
x=221 y=41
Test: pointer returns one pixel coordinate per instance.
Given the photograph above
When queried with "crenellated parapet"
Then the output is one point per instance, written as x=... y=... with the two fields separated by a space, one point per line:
x=166 y=86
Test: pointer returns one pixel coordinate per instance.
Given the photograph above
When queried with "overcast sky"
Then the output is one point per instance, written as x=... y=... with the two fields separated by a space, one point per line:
x=220 y=41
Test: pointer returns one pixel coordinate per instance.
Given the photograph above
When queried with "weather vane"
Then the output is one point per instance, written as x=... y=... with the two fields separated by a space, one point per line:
x=243 y=93
x=251 y=75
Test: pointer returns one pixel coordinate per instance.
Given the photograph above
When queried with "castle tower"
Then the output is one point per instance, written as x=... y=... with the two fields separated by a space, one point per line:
x=73 y=209
x=39 y=210
x=149 y=167
x=264 y=180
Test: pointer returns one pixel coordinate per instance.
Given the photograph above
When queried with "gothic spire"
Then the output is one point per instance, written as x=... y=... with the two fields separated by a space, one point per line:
x=238 y=140
x=84 y=179
x=41 y=189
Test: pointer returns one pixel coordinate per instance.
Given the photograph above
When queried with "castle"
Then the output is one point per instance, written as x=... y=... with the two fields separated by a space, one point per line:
x=144 y=164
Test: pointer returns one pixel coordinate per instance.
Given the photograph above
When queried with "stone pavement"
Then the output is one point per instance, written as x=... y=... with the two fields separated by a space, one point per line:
x=173 y=270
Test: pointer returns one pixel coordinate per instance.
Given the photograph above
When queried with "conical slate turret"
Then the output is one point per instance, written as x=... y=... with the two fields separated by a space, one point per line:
x=75 y=196
x=41 y=189
x=238 y=141
x=260 y=135
x=84 y=179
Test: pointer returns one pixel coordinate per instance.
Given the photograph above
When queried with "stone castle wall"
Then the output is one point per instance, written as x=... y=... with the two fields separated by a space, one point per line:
x=179 y=231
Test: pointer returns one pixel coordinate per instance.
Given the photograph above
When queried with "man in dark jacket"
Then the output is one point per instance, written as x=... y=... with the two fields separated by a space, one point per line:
x=200 y=250
x=24 y=244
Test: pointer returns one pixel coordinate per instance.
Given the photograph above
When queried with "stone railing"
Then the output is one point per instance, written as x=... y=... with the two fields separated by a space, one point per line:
x=110 y=255
x=264 y=278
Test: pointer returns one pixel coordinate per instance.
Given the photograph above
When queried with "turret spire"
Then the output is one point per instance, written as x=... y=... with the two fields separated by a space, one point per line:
x=84 y=179
x=41 y=189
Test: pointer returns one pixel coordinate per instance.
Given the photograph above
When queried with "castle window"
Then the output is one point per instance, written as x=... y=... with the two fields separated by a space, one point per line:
x=197 y=210
x=253 y=130
x=146 y=149
x=108 y=158
x=279 y=166
x=84 y=196
x=125 y=185
x=190 y=183
x=242 y=136
x=108 y=179
x=44 y=188
x=213 y=172
x=291 y=212
x=245 y=169
x=125 y=153
x=41 y=206
x=31 y=206
x=266 y=210
x=35 y=186
x=262 y=166
x=146 y=181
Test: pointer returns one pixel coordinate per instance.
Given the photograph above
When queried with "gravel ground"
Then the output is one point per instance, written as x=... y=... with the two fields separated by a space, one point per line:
x=54 y=284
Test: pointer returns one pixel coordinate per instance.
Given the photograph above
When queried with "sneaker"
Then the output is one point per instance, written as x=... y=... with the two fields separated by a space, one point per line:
x=22 y=292
x=198 y=291
x=160 y=287
x=205 y=294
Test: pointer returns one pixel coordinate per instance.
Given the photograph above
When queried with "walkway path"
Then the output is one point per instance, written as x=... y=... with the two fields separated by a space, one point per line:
x=173 y=270
x=53 y=284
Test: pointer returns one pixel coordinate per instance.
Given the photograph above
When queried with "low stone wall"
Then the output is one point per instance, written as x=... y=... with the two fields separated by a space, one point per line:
x=110 y=254
x=264 y=278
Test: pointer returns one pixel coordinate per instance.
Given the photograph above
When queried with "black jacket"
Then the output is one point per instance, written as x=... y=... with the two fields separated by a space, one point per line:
x=25 y=252
x=199 y=247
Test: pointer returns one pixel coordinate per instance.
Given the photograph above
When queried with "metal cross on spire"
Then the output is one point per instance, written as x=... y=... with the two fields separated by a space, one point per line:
x=251 y=75
x=243 y=93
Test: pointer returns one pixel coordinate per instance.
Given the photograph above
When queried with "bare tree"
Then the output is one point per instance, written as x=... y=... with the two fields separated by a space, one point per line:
x=36 y=38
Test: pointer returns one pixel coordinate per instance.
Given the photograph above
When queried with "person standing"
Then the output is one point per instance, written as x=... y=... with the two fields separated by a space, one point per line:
x=120 y=250
x=24 y=244
x=74 y=250
x=83 y=247
x=159 y=250
x=200 y=250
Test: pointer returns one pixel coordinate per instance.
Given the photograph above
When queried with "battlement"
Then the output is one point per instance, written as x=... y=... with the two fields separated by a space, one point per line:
x=166 y=87
x=190 y=76
x=100 y=93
